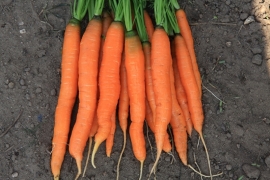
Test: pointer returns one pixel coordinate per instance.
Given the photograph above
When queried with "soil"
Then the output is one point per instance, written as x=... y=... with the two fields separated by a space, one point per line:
x=234 y=60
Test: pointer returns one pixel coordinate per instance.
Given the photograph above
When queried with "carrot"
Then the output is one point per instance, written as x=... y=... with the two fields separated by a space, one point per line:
x=88 y=71
x=134 y=63
x=180 y=93
x=178 y=124
x=68 y=88
x=161 y=63
x=123 y=109
x=190 y=85
x=109 y=140
x=149 y=25
x=167 y=147
x=187 y=35
x=109 y=83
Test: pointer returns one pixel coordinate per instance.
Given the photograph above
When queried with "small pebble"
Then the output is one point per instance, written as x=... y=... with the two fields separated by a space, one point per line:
x=238 y=146
x=21 y=23
x=29 y=104
x=167 y=159
x=257 y=59
x=27 y=96
x=6 y=81
x=228 y=2
x=249 y=20
x=53 y=92
x=217 y=167
x=22 y=31
x=228 y=44
x=22 y=82
x=229 y=167
x=7 y=145
x=256 y=50
x=27 y=69
x=243 y=16
x=15 y=174
x=11 y=85
x=251 y=171
x=38 y=90
x=267 y=161
x=41 y=53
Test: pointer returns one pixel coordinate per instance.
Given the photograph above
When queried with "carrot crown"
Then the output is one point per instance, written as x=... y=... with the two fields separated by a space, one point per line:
x=91 y=9
x=79 y=9
x=139 y=19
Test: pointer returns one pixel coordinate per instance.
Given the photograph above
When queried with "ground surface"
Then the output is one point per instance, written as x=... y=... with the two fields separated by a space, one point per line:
x=233 y=59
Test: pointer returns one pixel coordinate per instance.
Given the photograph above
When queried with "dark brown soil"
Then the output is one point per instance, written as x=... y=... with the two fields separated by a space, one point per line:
x=234 y=62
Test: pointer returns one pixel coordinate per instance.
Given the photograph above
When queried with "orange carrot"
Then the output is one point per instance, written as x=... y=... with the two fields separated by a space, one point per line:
x=190 y=85
x=167 y=147
x=161 y=63
x=134 y=62
x=67 y=95
x=178 y=124
x=187 y=35
x=150 y=100
x=109 y=140
x=180 y=93
x=68 y=87
x=109 y=83
x=123 y=109
x=148 y=24
x=88 y=71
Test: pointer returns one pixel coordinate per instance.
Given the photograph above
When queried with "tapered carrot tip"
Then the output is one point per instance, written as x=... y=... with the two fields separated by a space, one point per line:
x=79 y=166
x=141 y=170
x=56 y=177
x=156 y=162
x=121 y=154
x=96 y=146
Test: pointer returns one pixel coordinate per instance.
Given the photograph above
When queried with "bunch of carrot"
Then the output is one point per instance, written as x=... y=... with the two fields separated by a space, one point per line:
x=122 y=61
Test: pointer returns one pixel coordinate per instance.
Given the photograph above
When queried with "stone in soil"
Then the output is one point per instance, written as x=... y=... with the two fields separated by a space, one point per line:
x=38 y=90
x=11 y=85
x=267 y=161
x=256 y=50
x=243 y=16
x=251 y=171
x=257 y=59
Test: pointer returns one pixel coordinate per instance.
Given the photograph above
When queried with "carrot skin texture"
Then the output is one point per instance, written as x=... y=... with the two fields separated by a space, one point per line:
x=180 y=93
x=187 y=35
x=87 y=84
x=149 y=25
x=134 y=63
x=178 y=124
x=123 y=105
x=167 y=147
x=189 y=83
x=110 y=139
x=148 y=78
x=67 y=95
x=109 y=83
x=150 y=96
x=161 y=64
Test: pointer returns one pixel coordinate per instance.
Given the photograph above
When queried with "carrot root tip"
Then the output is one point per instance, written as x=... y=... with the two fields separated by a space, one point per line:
x=94 y=153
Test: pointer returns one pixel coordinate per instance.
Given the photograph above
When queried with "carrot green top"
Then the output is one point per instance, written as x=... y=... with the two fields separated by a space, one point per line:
x=172 y=22
x=117 y=8
x=79 y=9
x=91 y=9
x=159 y=6
x=175 y=4
x=139 y=19
x=99 y=4
x=127 y=15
